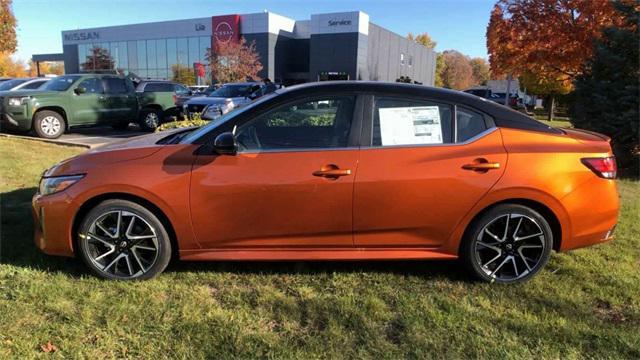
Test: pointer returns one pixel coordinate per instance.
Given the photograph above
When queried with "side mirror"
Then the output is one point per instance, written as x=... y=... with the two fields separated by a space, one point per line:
x=225 y=144
x=80 y=90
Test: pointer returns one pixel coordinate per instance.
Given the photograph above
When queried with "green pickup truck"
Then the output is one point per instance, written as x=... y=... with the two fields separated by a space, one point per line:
x=83 y=100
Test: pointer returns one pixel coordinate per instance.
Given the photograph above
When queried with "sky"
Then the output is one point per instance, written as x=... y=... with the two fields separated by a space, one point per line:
x=453 y=24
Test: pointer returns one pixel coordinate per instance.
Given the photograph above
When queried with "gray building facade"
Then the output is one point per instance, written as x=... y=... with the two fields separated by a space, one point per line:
x=333 y=46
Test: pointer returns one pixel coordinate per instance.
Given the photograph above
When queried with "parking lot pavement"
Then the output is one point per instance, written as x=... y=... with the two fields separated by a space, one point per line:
x=97 y=136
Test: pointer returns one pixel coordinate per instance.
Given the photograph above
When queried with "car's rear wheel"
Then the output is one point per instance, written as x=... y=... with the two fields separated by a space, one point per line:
x=49 y=124
x=149 y=119
x=508 y=244
x=123 y=240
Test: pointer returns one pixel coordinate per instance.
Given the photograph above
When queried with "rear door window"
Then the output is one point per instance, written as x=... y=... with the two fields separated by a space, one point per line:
x=115 y=85
x=399 y=121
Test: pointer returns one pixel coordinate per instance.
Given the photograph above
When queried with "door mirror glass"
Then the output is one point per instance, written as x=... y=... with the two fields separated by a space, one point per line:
x=225 y=144
x=80 y=90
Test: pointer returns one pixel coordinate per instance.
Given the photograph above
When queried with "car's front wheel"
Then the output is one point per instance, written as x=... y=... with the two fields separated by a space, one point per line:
x=123 y=240
x=49 y=124
x=508 y=244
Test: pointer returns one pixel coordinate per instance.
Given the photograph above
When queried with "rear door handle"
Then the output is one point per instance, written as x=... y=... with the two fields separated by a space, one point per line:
x=481 y=165
x=331 y=171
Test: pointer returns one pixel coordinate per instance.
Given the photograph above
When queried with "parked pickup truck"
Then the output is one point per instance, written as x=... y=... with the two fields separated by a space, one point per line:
x=82 y=100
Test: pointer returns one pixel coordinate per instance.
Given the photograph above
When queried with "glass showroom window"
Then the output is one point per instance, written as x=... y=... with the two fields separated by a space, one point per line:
x=183 y=51
x=123 y=62
x=132 y=52
x=141 y=45
x=152 y=60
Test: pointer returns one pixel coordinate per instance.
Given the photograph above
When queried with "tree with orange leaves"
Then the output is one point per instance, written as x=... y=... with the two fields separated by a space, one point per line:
x=548 y=41
x=234 y=61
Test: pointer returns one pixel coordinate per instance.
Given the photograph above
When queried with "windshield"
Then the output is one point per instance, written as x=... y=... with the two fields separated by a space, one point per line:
x=8 y=85
x=230 y=91
x=60 y=83
x=193 y=136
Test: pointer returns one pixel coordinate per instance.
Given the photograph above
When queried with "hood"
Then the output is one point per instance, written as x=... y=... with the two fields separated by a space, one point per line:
x=125 y=150
x=18 y=93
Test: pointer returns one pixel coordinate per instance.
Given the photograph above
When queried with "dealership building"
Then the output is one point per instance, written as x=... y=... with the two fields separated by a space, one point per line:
x=333 y=46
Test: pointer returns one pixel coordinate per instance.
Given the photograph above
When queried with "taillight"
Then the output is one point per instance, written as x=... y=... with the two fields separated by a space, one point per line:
x=603 y=167
x=175 y=98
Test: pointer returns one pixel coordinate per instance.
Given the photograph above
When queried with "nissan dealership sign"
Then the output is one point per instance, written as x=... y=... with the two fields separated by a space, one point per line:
x=225 y=28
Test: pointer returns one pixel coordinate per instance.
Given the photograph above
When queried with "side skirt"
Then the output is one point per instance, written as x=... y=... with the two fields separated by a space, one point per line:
x=316 y=254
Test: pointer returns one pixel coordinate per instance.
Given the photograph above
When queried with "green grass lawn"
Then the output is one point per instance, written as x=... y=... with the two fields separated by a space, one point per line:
x=583 y=304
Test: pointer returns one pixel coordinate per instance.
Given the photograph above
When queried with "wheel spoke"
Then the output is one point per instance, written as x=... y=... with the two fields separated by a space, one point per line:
x=489 y=246
x=515 y=266
x=126 y=258
x=524 y=259
x=492 y=235
x=531 y=247
x=506 y=259
x=100 y=239
x=143 y=247
x=492 y=260
x=515 y=232
x=506 y=228
x=99 y=225
x=135 y=256
x=111 y=251
x=115 y=261
x=118 y=223
x=527 y=237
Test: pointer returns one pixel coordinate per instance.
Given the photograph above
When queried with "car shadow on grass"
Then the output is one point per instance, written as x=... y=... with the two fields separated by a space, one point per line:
x=18 y=249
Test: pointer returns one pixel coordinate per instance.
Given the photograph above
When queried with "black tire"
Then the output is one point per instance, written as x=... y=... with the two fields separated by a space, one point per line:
x=133 y=263
x=513 y=255
x=121 y=125
x=49 y=124
x=149 y=119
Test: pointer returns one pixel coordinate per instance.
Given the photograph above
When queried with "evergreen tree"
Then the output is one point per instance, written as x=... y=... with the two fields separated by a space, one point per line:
x=606 y=98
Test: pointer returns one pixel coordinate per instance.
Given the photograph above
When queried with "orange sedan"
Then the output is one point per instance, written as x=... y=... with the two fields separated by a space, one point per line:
x=337 y=171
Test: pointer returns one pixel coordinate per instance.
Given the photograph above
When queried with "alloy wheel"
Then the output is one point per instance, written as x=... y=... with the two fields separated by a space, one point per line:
x=121 y=244
x=151 y=120
x=510 y=246
x=50 y=125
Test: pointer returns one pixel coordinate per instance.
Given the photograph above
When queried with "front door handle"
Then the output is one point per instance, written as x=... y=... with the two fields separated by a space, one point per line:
x=481 y=165
x=331 y=172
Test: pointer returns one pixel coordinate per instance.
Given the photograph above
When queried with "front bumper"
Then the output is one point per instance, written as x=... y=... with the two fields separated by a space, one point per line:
x=15 y=121
x=53 y=221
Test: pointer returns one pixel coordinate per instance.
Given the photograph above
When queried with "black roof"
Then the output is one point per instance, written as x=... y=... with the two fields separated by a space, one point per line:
x=503 y=116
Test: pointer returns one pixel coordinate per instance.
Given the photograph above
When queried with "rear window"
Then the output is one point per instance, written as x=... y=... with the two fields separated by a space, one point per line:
x=159 y=87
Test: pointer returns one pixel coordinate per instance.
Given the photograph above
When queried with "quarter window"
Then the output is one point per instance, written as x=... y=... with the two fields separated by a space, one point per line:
x=321 y=123
x=410 y=122
x=468 y=124
x=92 y=86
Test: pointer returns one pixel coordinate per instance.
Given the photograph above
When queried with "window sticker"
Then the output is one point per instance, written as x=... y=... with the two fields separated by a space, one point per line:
x=410 y=125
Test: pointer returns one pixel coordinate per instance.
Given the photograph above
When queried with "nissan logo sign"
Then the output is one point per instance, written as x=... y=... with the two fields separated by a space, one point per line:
x=223 y=32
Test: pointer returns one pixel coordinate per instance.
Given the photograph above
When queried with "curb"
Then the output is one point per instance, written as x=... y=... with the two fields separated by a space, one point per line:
x=51 y=141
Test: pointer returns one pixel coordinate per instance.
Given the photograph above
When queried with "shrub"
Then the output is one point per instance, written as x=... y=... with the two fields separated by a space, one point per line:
x=195 y=120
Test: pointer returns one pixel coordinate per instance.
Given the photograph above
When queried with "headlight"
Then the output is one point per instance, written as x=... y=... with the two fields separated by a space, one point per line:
x=51 y=185
x=17 y=101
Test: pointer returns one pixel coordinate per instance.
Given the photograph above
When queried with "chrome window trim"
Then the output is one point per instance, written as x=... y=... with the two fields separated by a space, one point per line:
x=470 y=140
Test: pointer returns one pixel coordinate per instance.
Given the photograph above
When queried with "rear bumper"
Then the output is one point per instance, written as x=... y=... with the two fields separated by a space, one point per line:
x=52 y=220
x=593 y=210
